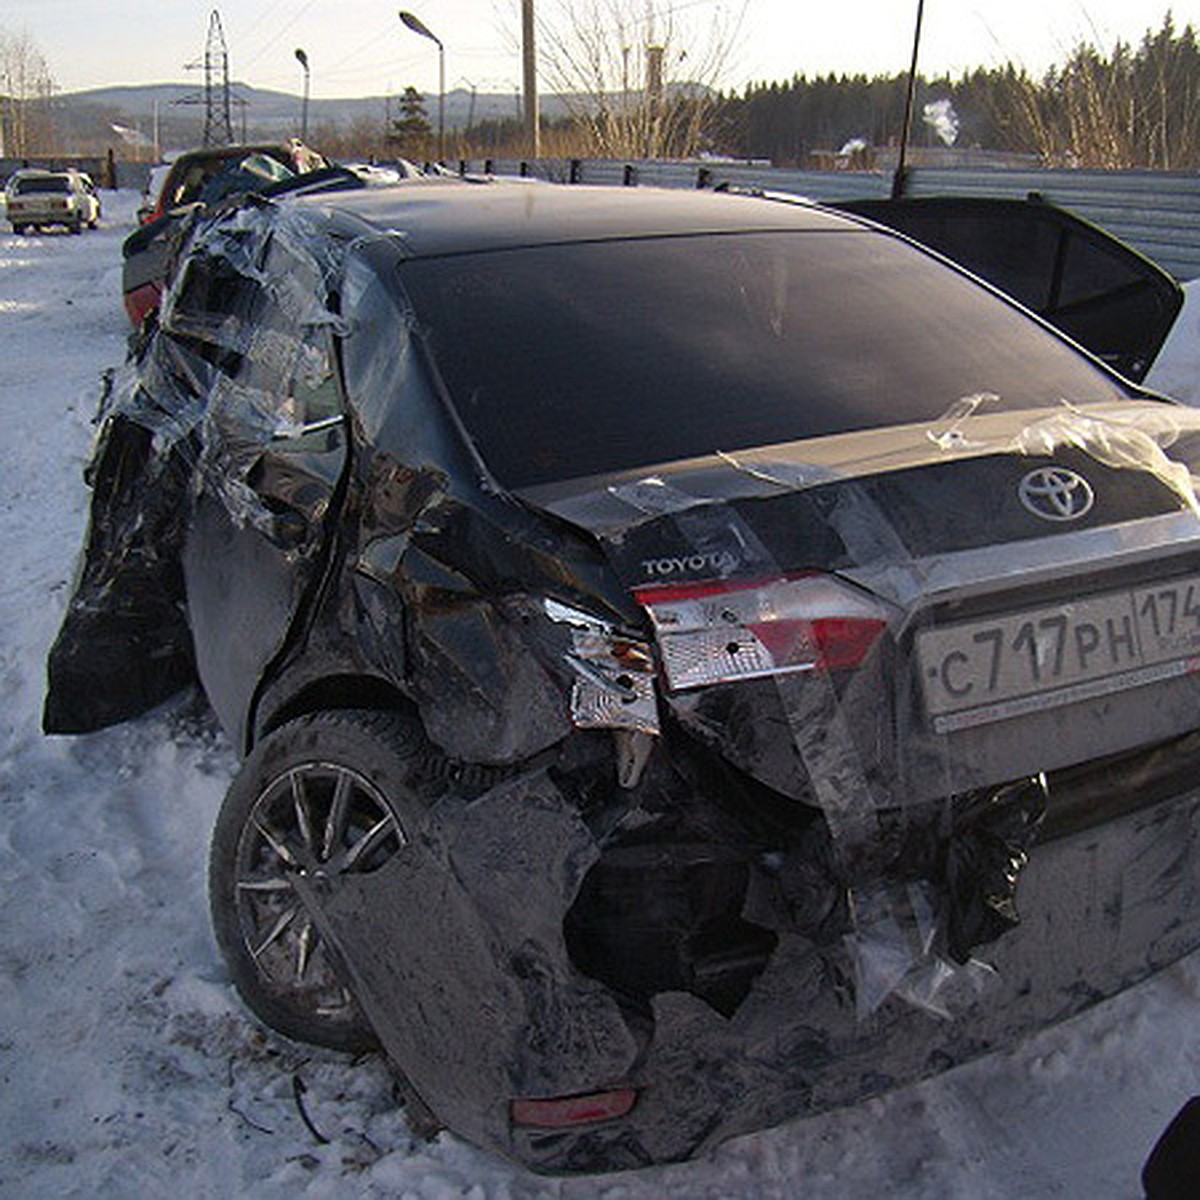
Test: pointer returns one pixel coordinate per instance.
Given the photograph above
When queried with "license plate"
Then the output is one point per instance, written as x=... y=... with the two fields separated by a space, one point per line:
x=989 y=670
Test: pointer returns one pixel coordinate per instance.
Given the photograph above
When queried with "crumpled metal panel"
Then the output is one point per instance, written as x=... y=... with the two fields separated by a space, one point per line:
x=175 y=426
x=124 y=645
x=482 y=694
x=457 y=956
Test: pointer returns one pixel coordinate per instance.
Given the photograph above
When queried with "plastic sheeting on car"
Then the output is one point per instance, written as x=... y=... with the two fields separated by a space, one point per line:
x=807 y=908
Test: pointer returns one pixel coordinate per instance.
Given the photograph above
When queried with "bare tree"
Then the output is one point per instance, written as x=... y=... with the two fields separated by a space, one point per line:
x=635 y=83
x=26 y=87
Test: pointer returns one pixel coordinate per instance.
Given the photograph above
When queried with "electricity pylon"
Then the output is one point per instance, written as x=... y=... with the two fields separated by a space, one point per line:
x=218 y=119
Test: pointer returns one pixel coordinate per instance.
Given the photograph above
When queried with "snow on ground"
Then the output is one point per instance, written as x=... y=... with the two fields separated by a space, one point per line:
x=1176 y=371
x=128 y=1068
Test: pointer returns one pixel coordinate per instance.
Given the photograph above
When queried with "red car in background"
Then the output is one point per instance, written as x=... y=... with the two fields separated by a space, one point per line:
x=199 y=179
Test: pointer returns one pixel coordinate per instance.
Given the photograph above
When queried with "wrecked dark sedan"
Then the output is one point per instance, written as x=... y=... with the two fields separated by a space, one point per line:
x=700 y=660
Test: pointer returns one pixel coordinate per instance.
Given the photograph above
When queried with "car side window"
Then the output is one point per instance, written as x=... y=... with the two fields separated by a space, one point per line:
x=309 y=405
x=291 y=354
x=257 y=316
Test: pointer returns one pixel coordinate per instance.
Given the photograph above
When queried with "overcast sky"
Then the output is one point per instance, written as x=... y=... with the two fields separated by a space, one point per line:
x=359 y=47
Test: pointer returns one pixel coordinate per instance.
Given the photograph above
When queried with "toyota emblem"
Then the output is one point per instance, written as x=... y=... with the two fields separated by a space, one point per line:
x=1056 y=494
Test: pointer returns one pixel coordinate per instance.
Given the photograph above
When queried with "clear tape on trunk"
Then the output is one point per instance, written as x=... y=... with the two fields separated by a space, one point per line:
x=896 y=932
x=1138 y=443
x=1139 y=440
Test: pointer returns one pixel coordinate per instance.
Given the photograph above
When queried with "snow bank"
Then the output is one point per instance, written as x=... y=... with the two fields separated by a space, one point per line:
x=1176 y=371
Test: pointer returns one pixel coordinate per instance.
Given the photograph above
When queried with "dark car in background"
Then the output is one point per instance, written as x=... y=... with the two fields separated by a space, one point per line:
x=700 y=659
x=1096 y=289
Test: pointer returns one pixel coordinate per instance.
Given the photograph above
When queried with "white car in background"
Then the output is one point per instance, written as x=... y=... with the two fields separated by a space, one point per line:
x=37 y=199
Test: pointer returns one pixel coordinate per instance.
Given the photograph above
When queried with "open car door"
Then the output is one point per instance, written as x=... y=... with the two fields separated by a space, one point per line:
x=1098 y=290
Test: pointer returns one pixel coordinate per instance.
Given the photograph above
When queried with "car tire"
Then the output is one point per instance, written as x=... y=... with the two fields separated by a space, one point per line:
x=329 y=794
x=18 y=229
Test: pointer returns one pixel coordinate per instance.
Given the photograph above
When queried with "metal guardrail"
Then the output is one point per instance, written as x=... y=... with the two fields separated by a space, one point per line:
x=1156 y=212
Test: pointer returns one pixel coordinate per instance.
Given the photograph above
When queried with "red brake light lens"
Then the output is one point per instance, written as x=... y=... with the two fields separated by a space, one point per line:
x=719 y=631
x=562 y=1112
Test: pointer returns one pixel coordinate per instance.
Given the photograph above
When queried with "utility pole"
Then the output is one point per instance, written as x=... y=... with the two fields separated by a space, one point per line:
x=654 y=100
x=529 y=68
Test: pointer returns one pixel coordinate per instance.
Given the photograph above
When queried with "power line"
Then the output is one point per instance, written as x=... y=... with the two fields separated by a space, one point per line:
x=275 y=40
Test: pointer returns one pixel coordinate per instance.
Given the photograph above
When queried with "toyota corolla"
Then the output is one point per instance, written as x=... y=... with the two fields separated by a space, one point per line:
x=699 y=659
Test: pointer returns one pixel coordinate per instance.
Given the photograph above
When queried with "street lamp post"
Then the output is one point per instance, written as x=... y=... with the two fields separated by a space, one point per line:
x=302 y=59
x=418 y=26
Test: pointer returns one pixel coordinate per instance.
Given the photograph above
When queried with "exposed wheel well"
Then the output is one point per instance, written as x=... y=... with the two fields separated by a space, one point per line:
x=335 y=692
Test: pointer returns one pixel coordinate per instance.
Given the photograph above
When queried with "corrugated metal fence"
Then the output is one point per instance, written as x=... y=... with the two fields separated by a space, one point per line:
x=1156 y=212
x=132 y=175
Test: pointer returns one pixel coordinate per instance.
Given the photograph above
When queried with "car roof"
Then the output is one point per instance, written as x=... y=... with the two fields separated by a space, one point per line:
x=33 y=174
x=447 y=216
x=239 y=150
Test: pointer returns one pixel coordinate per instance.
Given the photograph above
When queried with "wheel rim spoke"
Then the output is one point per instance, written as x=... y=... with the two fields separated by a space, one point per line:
x=264 y=885
x=335 y=826
x=368 y=842
x=276 y=932
x=278 y=845
x=300 y=808
x=306 y=943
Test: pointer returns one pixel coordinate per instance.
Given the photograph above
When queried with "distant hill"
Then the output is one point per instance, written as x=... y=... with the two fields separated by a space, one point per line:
x=257 y=113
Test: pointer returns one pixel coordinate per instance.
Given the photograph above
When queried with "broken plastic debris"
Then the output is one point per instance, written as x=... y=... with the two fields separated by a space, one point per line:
x=615 y=684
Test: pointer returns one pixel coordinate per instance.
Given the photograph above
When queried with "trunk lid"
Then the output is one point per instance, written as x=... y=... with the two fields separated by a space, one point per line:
x=1036 y=577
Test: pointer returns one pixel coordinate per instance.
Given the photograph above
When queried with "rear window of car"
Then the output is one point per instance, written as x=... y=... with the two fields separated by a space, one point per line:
x=578 y=359
x=42 y=183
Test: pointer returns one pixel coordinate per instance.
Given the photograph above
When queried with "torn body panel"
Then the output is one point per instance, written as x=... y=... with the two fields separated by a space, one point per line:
x=124 y=645
x=464 y=971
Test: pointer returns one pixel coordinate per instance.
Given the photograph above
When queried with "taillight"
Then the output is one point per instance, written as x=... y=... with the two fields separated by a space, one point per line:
x=561 y=1112
x=720 y=631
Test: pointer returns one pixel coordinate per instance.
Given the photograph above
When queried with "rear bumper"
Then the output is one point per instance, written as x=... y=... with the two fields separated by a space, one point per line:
x=1100 y=910
x=457 y=956
x=44 y=216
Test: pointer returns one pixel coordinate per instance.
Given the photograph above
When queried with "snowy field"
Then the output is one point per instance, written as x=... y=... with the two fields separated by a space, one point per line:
x=127 y=1066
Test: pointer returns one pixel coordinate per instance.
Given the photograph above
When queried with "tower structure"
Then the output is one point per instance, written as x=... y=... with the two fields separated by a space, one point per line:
x=218 y=117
